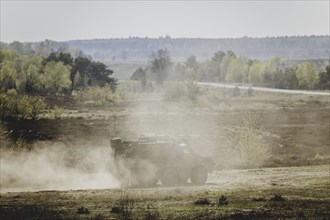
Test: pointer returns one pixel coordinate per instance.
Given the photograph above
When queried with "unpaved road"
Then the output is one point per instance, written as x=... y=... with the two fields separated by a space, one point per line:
x=262 y=89
x=270 y=193
x=261 y=179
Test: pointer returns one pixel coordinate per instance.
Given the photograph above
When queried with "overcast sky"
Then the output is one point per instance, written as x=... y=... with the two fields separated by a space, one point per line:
x=68 y=20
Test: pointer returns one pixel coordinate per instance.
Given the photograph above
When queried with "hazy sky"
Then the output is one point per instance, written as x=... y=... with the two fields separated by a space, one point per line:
x=67 y=20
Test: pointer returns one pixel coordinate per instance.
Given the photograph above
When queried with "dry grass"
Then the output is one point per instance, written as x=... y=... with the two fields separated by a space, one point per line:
x=309 y=199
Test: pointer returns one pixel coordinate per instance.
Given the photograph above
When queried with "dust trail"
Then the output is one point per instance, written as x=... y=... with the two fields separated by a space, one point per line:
x=57 y=167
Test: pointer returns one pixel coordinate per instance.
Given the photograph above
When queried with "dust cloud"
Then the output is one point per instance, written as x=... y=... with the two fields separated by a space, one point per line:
x=54 y=166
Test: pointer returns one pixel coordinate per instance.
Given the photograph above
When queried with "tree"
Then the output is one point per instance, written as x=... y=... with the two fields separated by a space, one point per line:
x=65 y=58
x=285 y=79
x=56 y=77
x=8 y=75
x=325 y=79
x=202 y=71
x=21 y=48
x=33 y=82
x=192 y=63
x=10 y=67
x=214 y=70
x=91 y=73
x=29 y=78
x=218 y=56
x=256 y=72
x=100 y=75
x=141 y=75
x=224 y=66
x=238 y=70
x=249 y=143
x=307 y=75
x=271 y=67
x=160 y=65
x=81 y=65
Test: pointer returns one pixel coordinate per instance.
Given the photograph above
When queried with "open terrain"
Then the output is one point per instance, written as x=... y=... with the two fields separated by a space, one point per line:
x=65 y=176
x=295 y=192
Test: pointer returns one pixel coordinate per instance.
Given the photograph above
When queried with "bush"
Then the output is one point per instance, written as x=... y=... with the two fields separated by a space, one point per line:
x=29 y=107
x=97 y=95
x=56 y=112
x=124 y=207
x=3 y=135
x=174 y=91
x=192 y=90
x=222 y=200
x=127 y=91
x=7 y=106
x=19 y=145
x=82 y=210
x=249 y=144
x=202 y=201
x=151 y=213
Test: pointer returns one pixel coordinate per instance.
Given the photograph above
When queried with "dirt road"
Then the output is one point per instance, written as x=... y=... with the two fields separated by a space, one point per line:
x=290 y=192
x=262 y=89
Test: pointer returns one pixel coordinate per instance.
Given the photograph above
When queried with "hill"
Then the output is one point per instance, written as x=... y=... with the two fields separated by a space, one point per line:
x=139 y=49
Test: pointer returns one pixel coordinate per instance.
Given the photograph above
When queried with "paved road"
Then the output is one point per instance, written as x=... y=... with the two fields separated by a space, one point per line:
x=304 y=92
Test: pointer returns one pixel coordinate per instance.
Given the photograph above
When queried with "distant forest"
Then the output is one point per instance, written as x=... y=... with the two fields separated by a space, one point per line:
x=139 y=49
x=85 y=63
x=135 y=49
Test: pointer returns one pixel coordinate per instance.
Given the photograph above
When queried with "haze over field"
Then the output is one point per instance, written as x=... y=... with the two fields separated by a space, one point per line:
x=164 y=109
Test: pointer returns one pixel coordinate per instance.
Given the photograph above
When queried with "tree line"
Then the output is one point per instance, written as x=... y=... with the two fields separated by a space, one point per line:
x=228 y=67
x=56 y=74
x=139 y=49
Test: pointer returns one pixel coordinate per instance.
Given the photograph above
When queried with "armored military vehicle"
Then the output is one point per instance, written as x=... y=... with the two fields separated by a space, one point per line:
x=150 y=159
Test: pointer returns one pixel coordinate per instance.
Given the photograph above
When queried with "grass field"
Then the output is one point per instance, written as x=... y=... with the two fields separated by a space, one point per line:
x=292 y=183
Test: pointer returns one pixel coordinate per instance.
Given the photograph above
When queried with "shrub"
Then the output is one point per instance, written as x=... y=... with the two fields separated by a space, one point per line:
x=20 y=145
x=56 y=112
x=7 y=106
x=192 y=90
x=127 y=91
x=12 y=92
x=202 y=201
x=222 y=200
x=318 y=157
x=249 y=144
x=151 y=213
x=174 y=91
x=29 y=107
x=97 y=95
x=3 y=135
x=124 y=207
x=82 y=210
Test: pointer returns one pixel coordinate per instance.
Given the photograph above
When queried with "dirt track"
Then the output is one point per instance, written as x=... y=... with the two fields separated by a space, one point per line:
x=250 y=194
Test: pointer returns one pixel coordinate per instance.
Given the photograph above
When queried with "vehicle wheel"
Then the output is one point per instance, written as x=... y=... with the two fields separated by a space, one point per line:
x=198 y=175
x=144 y=179
x=169 y=176
x=183 y=177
